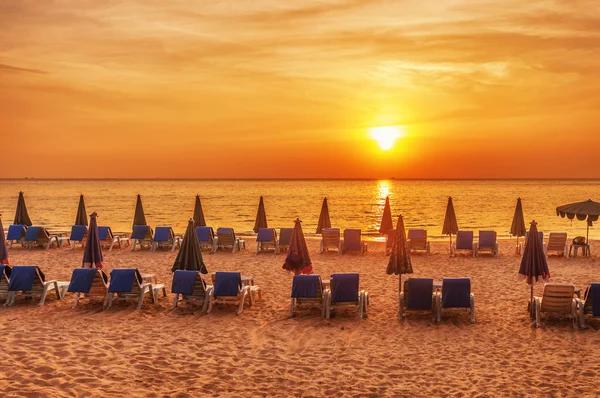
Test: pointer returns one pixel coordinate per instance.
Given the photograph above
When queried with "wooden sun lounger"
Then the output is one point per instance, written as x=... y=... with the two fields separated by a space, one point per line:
x=226 y=239
x=172 y=241
x=319 y=300
x=42 y=239
x=417 y=241
x=137 y=293
x=330 y=240
x=463 y=243
x=99 y=288
x=200 y=296
x=360 y=304
x=4 y=283
x=557 y=299
x=267 y=239
x=485 y=246
x=147 y=240
x=557 y=242
x=245 y=295
x=110 y=239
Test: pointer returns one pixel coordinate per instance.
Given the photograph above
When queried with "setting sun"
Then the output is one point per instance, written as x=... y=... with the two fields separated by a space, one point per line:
x=386 y=136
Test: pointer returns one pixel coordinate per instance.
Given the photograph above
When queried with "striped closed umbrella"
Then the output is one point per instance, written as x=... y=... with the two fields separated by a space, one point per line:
x=198 y=217
x=298 y=259
x=92 y=253
x=189 y=257
x=533 y=264
x=518 y=224
x=21 y=215
x=3 y=249
x=139 y=217
x=399 y=262
x=450 y=224
x=81 y=217
x=324 y=221
x=261 y=216
x=386 y=219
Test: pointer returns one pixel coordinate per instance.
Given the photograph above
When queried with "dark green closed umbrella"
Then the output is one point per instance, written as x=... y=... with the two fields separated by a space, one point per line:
x=261 y=216
x=3 y=249
x=139 y=218
x=81 y=217
x=21 y=215
x=386 y=219
x=324 y=221
x=450 y=224
x=399 y=262
x=198 y=217
x=189 y=257
x=518 y=224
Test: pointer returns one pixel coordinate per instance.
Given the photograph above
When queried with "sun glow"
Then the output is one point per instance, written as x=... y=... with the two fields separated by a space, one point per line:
x=386 y=136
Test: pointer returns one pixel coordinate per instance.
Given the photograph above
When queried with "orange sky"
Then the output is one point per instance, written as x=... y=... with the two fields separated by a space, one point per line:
x=266 y=88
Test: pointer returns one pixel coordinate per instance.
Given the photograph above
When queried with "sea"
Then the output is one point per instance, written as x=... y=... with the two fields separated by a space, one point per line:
x=479 y=204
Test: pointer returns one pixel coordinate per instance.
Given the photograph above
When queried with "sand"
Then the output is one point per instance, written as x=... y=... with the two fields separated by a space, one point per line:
x=59 y=351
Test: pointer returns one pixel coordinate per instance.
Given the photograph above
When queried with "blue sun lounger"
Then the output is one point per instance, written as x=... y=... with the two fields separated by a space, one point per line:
x=39 y=236
x=456 y=293
x=590 y=304
x=191 y=287
x=107 y=237
x=353 y=241
x=308 y=289
x=78 y=235
x=31 y=281
x=206 y=237
x=92 y=282
x=127 y=285
x=228 y=289
x=16 y=234
x=5 y=271
x=285 y=238
x=267 y=239
x=165 y=237
x=344 y=290
x=418 y=295
x=143 y=235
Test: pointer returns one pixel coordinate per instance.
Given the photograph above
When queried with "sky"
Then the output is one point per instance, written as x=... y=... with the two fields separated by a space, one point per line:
x=272 y=89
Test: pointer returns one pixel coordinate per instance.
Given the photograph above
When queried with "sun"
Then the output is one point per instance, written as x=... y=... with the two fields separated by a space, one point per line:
x=386 y=136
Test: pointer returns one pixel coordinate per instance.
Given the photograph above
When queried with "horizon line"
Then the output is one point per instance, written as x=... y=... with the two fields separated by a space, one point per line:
x=291 y=179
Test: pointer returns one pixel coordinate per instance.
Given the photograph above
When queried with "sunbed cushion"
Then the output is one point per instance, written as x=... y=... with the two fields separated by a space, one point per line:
x=331 y=230
x=204 y=234
x=224 y=231
x=265 y=235
x=305 y=286
x=593 y=294
x=487 y=238
x=184 y=281
x=456 y=293
x=162 y=234
x=285 y=236
x=6 y=269
x=32 y=233
x=78 y=232
x=122 y=280
x=139 y=231
x=15 y=232
x=420 y=293
x=344 y=287
x=416 y=234
x=352 y=239
x=464 y=240
x=82 y=280
x=22 y=277
x=103 y=233
x=227 y=284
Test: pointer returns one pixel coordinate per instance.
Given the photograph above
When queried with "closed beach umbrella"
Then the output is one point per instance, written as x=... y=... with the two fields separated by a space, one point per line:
x=261 y=216
x=399 y=262
x=92 y=253
x=21 y=215
x=533 y=264
x=386 y=219
x=298 y=259
x=584 y=211
x=324 y=221
x=3 y=249
x=189 y=257
x=139 y=218
x=198 y=217
x=518 y=224
x=450 y=224
x=81 y=217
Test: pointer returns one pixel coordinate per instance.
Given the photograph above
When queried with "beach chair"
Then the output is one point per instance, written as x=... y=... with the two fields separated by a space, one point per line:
x=78 y=235
x=143 y=235
x=226 y=239
x=16 y=234
x=165 y=237
x=267 y=239
x=228 y=289
x=344 y=290
x=417 y=241
x=463 y=243
x=308 y=290
x=126 y=284
x=191 y=287
x=330 y=240
x=89 y=282
x=590 y=304
x=285 y=238
x=556 y=300
x=353 y=242
x=107 y=237
x=205 y=236
x=389 y=241
x=524 y=243
x=5 y=271
x=30 y=281
x=487 y=243
x=557 y=243
x=39 y=236
x=418 y=295
x=456 y=293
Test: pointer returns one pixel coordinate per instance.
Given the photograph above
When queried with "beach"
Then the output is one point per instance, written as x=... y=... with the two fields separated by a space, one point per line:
x=58 y=351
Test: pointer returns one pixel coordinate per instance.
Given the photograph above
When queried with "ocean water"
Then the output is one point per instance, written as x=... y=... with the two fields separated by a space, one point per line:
x=481 y=204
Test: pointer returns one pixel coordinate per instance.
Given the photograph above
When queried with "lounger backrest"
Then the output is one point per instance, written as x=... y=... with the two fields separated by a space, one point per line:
x=464 y=240
x=419 y=293
x=417 y=239
x=226 y=236
x=143 y=232
x=307 y=286
x=78 y=232
x=331 y=237
x=344 y=288
x=557 y=241
x=285 y=236
x=389 y=238
x=83 y=279
x=592 y=299
x=266 y=235
x=124 y=280
x=227 y=284
x=32 y=233
x=205 y=234
x=540 y=235
x=16 y=232
x=25 y=277
x=105 y=233
x=352 y=240
x=456 y=293
x=188 y=283
x=558 y=297
x=164 y=234
x=487 y=239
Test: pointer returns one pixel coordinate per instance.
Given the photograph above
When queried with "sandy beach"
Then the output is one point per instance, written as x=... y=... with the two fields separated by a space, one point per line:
x=59 y=351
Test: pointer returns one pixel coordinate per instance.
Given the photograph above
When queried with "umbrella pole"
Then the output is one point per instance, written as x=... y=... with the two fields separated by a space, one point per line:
x=587 y=235
x=531 y=304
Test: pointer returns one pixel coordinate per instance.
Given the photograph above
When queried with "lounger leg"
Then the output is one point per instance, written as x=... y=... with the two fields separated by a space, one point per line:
x=292 y=300
x=438 y=302
x=400 y=305
x=44 y=292
x=133 y=246
x=141 y=297
x=581 y=314
x=472 y=308
x=110 y=297
x=211 y=301
x=243 y=298
x=361 y=304
x=324 y=303
x=8 y=299
x=538 y=315
x=207 y=296
x=175 y=300
x=215 y=245
x=76 y=300
x=328 y=306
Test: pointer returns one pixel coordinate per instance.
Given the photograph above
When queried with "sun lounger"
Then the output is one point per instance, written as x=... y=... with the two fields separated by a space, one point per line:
x=487 y=243
x=165 y=237
x=206 y=236
x=524 y=243
x=557 y=243
x=5 y=271
x=107 y=237
x=330 y=240
x=285 y=238
x=344 y=290
x=353 y=241
x=308 y=290
x=91 y=282
x=143 y=235
x=590 y=305
x=226 y=239
x=463 y=243
x=126 y=284
x=228 y=289
x=267 y=239
x=39 y=236
x=418 y=295
x=191 y=287
x=30 y=281
x=417 y=241
x=557 y=300
x=16 y=234
x=78 y=235
x=456 y=293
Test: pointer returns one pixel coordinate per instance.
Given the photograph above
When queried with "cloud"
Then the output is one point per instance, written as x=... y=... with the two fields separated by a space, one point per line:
x=10 y=68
